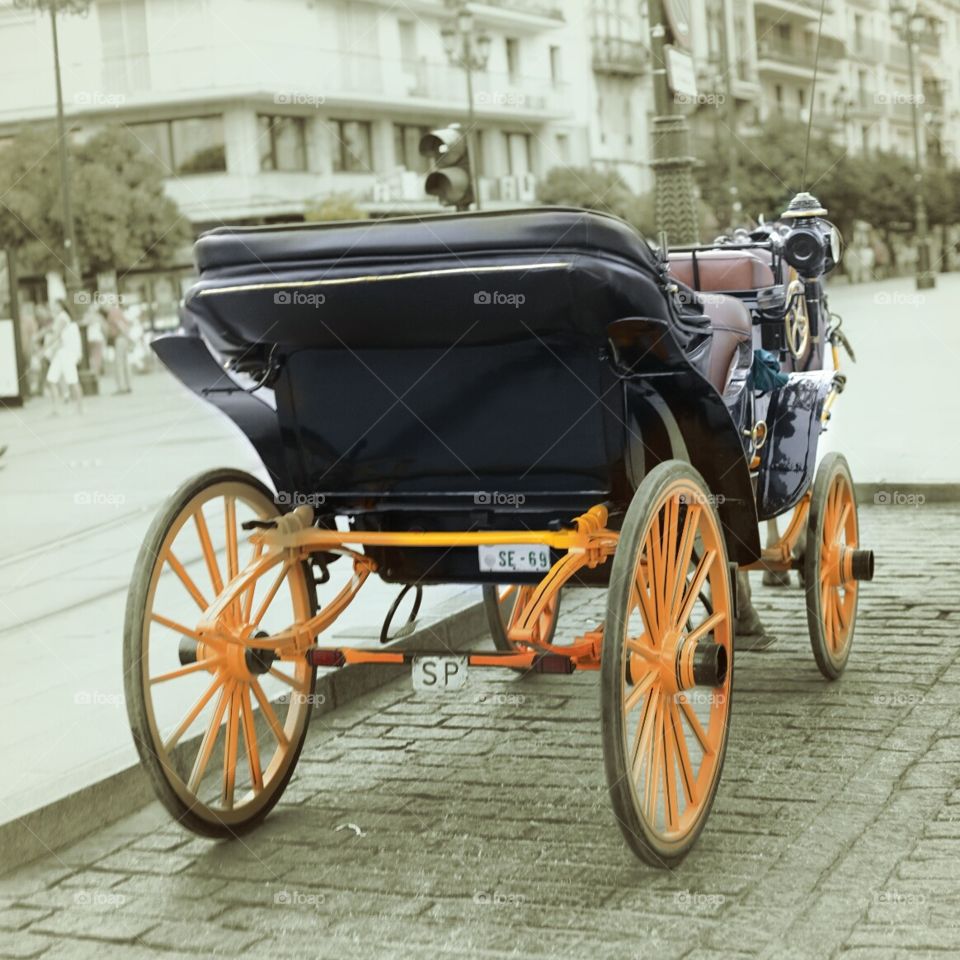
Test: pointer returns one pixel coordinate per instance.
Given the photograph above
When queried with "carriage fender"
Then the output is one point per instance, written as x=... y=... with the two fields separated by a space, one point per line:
x=789 y=457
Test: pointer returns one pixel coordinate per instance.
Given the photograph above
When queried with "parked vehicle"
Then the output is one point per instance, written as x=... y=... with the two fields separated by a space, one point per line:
x=534 y=401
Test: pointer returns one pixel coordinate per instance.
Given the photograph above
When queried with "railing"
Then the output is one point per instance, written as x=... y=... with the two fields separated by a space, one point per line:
x=800 y=54
x=617 y=55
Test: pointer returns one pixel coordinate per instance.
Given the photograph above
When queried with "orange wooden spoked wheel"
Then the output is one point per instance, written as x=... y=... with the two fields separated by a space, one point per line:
x=832 y=533
x=504 y=605
x=219 y=724
x=667 y=665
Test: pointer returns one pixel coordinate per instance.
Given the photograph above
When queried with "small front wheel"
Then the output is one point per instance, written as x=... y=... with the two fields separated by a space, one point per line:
x=830 y=562
x=667 y=665
x=504 y=604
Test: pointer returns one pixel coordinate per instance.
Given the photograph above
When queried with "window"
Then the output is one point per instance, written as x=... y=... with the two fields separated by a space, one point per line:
x=283 y=143
x=408 y=40
x=198 y=145
x=123 y=40
x=406 y=146
x=563 y=147
x=513 y=57
x=190 y=145
x=518 y=153
x=556 y=65
x=352 y=146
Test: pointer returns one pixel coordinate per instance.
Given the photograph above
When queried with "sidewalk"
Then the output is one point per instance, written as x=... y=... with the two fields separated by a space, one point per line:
x=85 y=490
x=485 y=829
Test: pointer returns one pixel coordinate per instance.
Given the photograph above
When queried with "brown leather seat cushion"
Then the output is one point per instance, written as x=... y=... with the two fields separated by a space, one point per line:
x=732 y=331
x=722 y=270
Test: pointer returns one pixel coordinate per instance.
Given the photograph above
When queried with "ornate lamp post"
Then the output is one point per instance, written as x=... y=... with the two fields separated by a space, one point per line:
x=912 y=24
x=471 y=52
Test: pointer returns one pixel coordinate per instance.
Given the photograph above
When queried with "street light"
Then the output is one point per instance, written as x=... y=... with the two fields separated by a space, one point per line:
x=469 y=51
x=912 y=24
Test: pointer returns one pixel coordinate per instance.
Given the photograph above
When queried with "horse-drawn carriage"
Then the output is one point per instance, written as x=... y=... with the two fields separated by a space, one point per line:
x=531 y=401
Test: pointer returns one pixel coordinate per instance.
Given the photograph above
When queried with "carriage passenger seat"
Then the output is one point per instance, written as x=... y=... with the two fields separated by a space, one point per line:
x=731 y=349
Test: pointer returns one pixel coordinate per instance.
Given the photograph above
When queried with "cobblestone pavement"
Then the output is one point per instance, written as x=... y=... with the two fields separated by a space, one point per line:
x=485 y=831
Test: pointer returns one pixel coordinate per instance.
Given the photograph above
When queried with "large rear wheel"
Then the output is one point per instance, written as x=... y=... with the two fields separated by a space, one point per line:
x=667 y=665
x=218 y=723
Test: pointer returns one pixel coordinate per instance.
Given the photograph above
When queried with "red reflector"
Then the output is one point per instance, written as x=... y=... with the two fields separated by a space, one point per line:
x=553 y=663
x=326 y=658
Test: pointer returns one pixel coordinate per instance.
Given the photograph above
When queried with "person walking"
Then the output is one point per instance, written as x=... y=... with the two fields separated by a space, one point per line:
x=95 y=339
x=118 y=331
x=65 y=350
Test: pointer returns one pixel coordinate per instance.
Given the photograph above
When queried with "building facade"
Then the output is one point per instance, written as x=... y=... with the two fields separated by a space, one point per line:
x=262 y=109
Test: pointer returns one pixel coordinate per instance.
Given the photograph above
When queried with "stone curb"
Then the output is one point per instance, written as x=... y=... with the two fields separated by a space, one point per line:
x=100 y=804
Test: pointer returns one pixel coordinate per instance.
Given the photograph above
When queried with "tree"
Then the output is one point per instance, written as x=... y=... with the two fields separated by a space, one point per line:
x=337 y=206
x=603 y=190
x=123 y=217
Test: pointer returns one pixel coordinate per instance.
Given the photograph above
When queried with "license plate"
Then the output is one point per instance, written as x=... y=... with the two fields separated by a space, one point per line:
x=516 y=558
x=439 y=674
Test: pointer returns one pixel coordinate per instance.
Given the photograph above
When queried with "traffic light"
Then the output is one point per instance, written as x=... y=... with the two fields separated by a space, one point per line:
x=451 y=179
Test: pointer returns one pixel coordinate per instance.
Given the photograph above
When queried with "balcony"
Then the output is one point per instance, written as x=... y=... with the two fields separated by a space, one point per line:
x=805 y=9
x=297 y=75
x=619 y=56
x=795 y=57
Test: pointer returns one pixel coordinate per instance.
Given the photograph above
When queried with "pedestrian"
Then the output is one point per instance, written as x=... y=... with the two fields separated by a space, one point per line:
x=95 y=339
x=118 y=333
x=65 y=351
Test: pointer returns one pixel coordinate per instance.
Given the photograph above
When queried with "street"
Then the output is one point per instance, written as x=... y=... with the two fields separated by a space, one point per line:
x=86 y=489
x=478 y=825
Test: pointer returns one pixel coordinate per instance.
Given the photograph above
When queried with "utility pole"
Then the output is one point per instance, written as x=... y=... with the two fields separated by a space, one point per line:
x=675 y=194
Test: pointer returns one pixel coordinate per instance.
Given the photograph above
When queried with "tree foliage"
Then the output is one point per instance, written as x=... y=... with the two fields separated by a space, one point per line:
x=603 y=190
x=122 y=217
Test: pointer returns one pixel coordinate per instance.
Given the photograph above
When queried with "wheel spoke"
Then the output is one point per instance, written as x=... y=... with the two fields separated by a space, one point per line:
x=711 y=623
x=638 y=691
x=189 y=668
x=687 y=777
x=192 y=714
x=200 y=522
x=267 y=708
x=250 y=741
x=684 y=555
x=671 y=803
x=655 y=764
x=643 y=601
x=687 y=707
x=185 y=578
x=233 y=550
x=693 y=590
x=670 y=571
x=268 y=599
x=654 y=564
x=297 y=685
x=248 y=596
x=642 y=736
x=209 y=738
x=175 y=627
x=230 y=749
x=842 y=523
